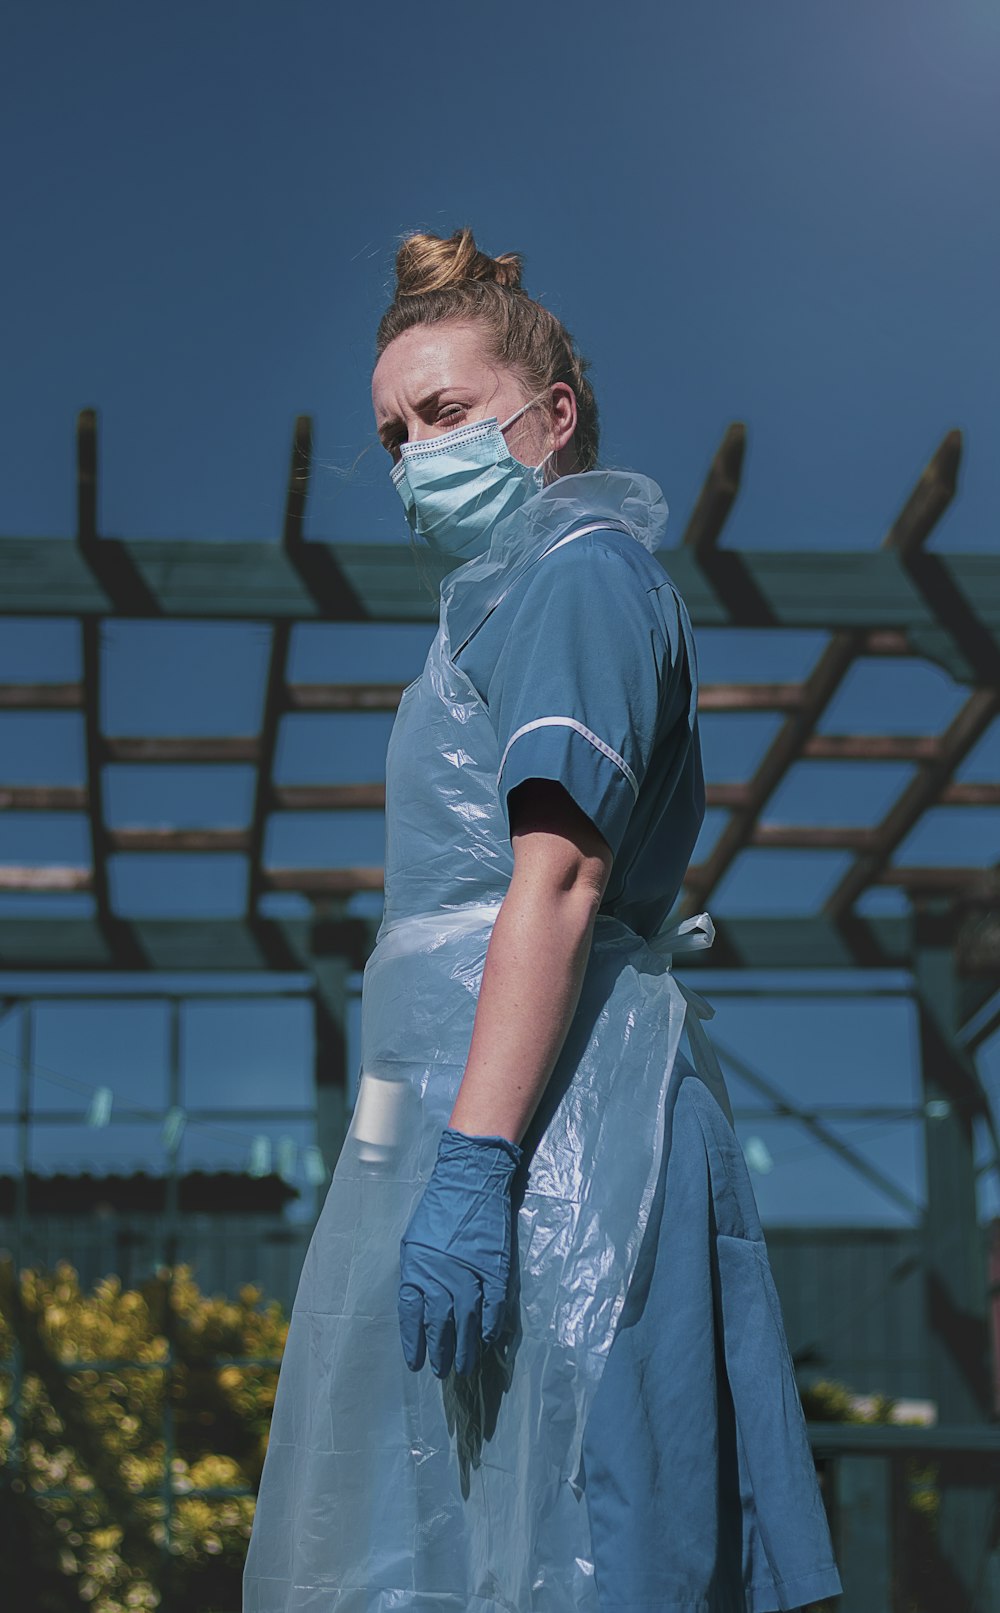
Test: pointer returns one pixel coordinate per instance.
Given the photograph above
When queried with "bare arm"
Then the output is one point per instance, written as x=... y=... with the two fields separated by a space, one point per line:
x=535 y=962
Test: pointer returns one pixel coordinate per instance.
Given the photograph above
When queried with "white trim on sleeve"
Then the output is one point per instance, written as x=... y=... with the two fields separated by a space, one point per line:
x=571 y=722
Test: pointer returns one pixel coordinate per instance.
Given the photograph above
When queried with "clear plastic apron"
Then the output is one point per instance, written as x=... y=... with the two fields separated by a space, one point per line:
x=387 y=1489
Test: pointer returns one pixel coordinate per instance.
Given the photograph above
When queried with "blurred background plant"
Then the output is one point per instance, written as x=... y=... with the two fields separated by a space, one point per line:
x=132 y=1456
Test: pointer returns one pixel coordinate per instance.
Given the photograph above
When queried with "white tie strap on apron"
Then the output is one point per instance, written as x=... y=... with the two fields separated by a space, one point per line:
x=696 y=934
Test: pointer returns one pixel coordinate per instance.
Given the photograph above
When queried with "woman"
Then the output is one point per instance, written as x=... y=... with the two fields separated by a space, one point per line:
x=536 y=1360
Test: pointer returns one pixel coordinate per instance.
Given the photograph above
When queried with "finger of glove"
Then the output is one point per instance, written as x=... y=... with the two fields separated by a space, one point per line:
x=439 y=1325
x=468 y=1325
x=411 y=1326
x=494 y=1311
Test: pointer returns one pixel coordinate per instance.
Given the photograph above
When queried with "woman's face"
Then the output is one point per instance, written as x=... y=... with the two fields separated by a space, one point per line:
x=432 y=378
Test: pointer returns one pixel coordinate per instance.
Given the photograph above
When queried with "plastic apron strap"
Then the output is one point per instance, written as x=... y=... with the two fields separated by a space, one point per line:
x=695 y=934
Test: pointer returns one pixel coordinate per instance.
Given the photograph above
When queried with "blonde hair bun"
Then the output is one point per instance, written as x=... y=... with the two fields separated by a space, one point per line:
x=433 y=263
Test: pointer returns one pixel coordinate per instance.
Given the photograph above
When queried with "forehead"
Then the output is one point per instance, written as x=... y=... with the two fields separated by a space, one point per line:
x=427 y=357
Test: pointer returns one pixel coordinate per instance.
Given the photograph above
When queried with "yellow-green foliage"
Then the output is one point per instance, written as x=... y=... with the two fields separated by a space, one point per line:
x=95 y=1434
x=101 y=1434
x=826 y=1402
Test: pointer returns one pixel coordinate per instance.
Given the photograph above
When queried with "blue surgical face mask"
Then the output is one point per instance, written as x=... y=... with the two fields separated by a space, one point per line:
x=456 y=487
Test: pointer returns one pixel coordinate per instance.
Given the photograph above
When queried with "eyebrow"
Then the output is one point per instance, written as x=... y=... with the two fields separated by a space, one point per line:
x=422 y=404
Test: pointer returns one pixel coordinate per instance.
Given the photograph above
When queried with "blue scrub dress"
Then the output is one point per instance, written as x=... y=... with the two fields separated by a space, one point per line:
x=692 y=1508
x=635 y=1441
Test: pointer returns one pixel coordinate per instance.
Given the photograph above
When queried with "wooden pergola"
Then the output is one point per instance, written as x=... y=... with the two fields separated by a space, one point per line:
x=897 y=601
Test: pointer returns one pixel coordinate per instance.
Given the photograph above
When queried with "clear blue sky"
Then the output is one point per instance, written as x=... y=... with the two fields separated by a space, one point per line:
x=780 y=213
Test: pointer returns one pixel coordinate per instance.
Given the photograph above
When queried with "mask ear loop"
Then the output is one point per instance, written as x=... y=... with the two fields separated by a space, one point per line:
x=546 y=478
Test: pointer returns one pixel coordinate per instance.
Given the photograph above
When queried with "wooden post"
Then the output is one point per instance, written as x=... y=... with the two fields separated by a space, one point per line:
x=330 y=975
x=863 y=1494
x=955 y=1277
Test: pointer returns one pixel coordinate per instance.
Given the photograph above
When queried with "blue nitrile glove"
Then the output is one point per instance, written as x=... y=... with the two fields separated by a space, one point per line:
x=454 y=1257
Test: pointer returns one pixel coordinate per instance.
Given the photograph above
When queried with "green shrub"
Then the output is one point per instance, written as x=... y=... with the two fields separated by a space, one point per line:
x=121 y=1391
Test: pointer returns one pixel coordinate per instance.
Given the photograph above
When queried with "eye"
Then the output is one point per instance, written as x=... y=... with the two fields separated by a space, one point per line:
x=451 y=411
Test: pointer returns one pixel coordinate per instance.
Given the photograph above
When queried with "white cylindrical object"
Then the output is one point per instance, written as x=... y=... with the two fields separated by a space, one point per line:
x=377 y=1125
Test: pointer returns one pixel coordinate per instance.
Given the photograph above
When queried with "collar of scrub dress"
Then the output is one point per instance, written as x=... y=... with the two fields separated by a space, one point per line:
x=615 y=498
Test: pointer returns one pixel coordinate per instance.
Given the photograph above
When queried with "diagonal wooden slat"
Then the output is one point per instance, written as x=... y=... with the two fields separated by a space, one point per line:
x=729 y=577
x=787 y=745
x=923 y=790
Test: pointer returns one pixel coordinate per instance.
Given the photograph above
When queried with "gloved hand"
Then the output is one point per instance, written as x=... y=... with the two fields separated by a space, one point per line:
x=454 y=1256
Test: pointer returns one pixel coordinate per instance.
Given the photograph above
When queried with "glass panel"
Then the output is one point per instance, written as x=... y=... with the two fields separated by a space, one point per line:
x=732 y=746
x=851 y=794
x=746 y=655
x=249 y=1055
x=178 y=885
x=339 y=748
x=35 y=839
x=39 y=649
x=180 y=797
x=325 y=839
x=43 y=747
x=113 y=1044
x=893 y=697
x=183 y=677
x=764 y=881
x=358 y=652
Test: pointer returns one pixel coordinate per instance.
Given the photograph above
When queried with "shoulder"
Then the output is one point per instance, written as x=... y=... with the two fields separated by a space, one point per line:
x=596 y=562
x=609 y=574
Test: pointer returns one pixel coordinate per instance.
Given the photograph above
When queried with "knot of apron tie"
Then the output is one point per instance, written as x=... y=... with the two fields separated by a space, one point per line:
x=695 y=934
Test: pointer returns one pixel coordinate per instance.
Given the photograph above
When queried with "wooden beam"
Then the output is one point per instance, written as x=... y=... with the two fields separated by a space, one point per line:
x=41 y=696
x=328 y=797
x=973 y=882
x=343 y=696
x=888 y=642
x=740 y=697
x=718 y=494
x=714 y=697
x=810 y=837
x=727 y=795
x=307 y=881
x=930 y=498
x=725 y=570
x=829 y=590
x=169 y=749
x=186 y=840
x=871 y=748
x=42 y=798
x=86 y=476
x=970 y=795
x=52 y=877
x=371 y=797
x=786 y=747
x=323 y=881
x=923 y=790
x=956 y=610
x=70 y=944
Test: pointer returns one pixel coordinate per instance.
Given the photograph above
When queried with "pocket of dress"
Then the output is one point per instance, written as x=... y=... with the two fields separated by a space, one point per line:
x=775 y=1452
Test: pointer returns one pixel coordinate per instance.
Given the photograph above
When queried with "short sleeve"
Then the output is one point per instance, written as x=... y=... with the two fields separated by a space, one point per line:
x=576 y=689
